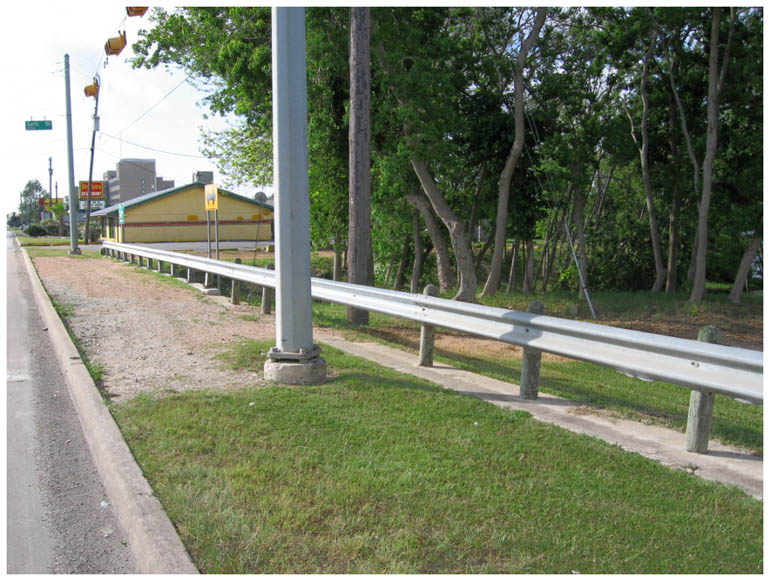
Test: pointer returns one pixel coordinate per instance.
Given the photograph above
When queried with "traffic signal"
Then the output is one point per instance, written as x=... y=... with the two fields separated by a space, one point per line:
x=136 y=10
x=92 y=90
x=115 y=44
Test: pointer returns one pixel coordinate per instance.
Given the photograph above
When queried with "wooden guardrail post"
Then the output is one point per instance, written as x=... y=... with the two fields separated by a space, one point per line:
x=530 y=362
x=235 y=288
x=427 y=334
x=701 y=405
x=267 y=296
x=190 y=275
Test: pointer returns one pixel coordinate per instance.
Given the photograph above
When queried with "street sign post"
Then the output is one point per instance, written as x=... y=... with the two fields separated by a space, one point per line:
x=38 y=125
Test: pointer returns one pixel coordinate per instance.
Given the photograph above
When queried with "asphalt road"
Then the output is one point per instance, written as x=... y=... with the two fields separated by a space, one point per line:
x=59 y=519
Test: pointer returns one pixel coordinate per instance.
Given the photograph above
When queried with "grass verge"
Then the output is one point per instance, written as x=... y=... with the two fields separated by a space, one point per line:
x=379 y=472
x=597 y=387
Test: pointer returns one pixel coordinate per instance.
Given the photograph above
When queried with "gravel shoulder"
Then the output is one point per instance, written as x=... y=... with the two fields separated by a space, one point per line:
x=149 y=335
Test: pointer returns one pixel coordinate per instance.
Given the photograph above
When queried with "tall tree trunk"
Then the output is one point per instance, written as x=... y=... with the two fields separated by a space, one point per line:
x=578 y=211
x=401 y=272
x=745 y=268
x=475 y=207
x=446 y=276
x=673 y=215
x=512 y=271
x=673 y=242
x=660 y=269
x=716 y=81
x=552 y=254
x=360 y=261
x=506 y=176
x=528 y=286
x=460 y=242
x=419 y=256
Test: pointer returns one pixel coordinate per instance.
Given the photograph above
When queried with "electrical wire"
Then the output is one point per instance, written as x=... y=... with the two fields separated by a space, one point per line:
x=152 y=148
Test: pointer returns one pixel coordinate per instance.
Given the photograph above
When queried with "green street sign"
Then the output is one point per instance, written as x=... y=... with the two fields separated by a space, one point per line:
x=121 y=214
x=36 y=125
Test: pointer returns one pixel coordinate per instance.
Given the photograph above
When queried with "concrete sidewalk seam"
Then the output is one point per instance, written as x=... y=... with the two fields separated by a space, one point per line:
x=151 y=535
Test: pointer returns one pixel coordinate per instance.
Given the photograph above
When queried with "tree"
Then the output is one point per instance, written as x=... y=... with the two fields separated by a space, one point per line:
x=716 y=83
x=643 y=143
x=506 y=176
x=29 y=200
x=360 y=263
x=59 y=212
x=745 y=267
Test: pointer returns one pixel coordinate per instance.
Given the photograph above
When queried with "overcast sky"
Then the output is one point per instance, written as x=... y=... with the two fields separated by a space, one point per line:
x=143 y=114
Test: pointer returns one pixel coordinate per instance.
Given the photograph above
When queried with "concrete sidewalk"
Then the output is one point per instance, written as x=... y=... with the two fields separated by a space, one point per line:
x=722 y=463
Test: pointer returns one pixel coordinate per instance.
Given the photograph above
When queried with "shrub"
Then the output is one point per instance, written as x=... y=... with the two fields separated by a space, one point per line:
x=52 y=227
x=36 y=230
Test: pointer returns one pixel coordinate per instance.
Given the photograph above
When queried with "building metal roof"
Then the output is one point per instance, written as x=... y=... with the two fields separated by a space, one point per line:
x=145 y=198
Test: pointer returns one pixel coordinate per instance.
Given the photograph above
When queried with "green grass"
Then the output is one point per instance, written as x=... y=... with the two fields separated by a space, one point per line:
x=379 y=472
x=35 y=252
x=45 y=240
x=658 y=403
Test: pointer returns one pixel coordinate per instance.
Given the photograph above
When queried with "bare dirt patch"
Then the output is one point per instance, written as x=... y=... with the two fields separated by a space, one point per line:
x=149 y=336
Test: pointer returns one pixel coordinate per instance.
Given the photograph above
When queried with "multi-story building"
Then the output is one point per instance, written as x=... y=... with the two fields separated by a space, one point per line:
x=133 y=178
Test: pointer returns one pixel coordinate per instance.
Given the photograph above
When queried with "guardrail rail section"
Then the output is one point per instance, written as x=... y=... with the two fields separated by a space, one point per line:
x=701 y=366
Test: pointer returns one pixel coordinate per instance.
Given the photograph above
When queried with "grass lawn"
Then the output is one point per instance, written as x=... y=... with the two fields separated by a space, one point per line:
x=660 y=403
x=44 y=240
x=379 y=472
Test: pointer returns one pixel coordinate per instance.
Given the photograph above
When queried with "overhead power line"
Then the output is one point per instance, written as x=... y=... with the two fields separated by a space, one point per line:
x=152 y=148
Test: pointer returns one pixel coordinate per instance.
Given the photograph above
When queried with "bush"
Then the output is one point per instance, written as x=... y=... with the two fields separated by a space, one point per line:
x=52 y=227
x=36 y=230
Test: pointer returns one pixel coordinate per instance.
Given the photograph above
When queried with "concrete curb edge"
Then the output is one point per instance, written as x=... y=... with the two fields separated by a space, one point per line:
x=151 y=536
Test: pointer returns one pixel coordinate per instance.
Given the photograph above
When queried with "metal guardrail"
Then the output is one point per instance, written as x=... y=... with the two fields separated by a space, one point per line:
x=702 y=366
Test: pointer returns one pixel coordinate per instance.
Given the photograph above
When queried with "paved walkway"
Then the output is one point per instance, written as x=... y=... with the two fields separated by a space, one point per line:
x=722 y=463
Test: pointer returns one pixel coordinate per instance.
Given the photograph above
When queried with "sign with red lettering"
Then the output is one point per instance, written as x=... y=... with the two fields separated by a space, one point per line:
x=97 y=190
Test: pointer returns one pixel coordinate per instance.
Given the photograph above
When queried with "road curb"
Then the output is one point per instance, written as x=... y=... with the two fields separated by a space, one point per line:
x=151 y=536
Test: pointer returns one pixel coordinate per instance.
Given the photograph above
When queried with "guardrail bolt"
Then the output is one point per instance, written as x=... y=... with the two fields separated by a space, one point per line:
x=235 y=288
x=701 y=404
x=267 y=296
x=427 y=334
x=530 y=361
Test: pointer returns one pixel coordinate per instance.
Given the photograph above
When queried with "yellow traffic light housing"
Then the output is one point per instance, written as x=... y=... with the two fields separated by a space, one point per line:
x=92 y=90
x=136 y=10
x=115 y=44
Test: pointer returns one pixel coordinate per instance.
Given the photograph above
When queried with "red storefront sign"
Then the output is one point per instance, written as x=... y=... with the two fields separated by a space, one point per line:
x=97 y=190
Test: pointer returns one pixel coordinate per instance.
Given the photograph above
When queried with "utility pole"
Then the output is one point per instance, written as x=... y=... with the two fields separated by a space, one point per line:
x=50 y=179
x=295 y=359
x=86 y=236
x=71 y=163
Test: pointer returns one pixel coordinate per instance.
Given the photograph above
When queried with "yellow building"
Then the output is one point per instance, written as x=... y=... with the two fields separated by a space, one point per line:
x=179 y=215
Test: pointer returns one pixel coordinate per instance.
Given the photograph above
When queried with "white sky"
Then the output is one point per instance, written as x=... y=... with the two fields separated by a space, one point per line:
x=34 y=37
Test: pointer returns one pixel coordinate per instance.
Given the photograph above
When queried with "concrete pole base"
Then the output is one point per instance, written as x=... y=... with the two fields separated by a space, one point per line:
x=286 y=372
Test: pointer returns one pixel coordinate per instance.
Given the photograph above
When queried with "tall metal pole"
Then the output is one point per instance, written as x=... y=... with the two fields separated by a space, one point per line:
x=86 y=233
x=50 y=180
x=294 y=315
x=71 y=164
